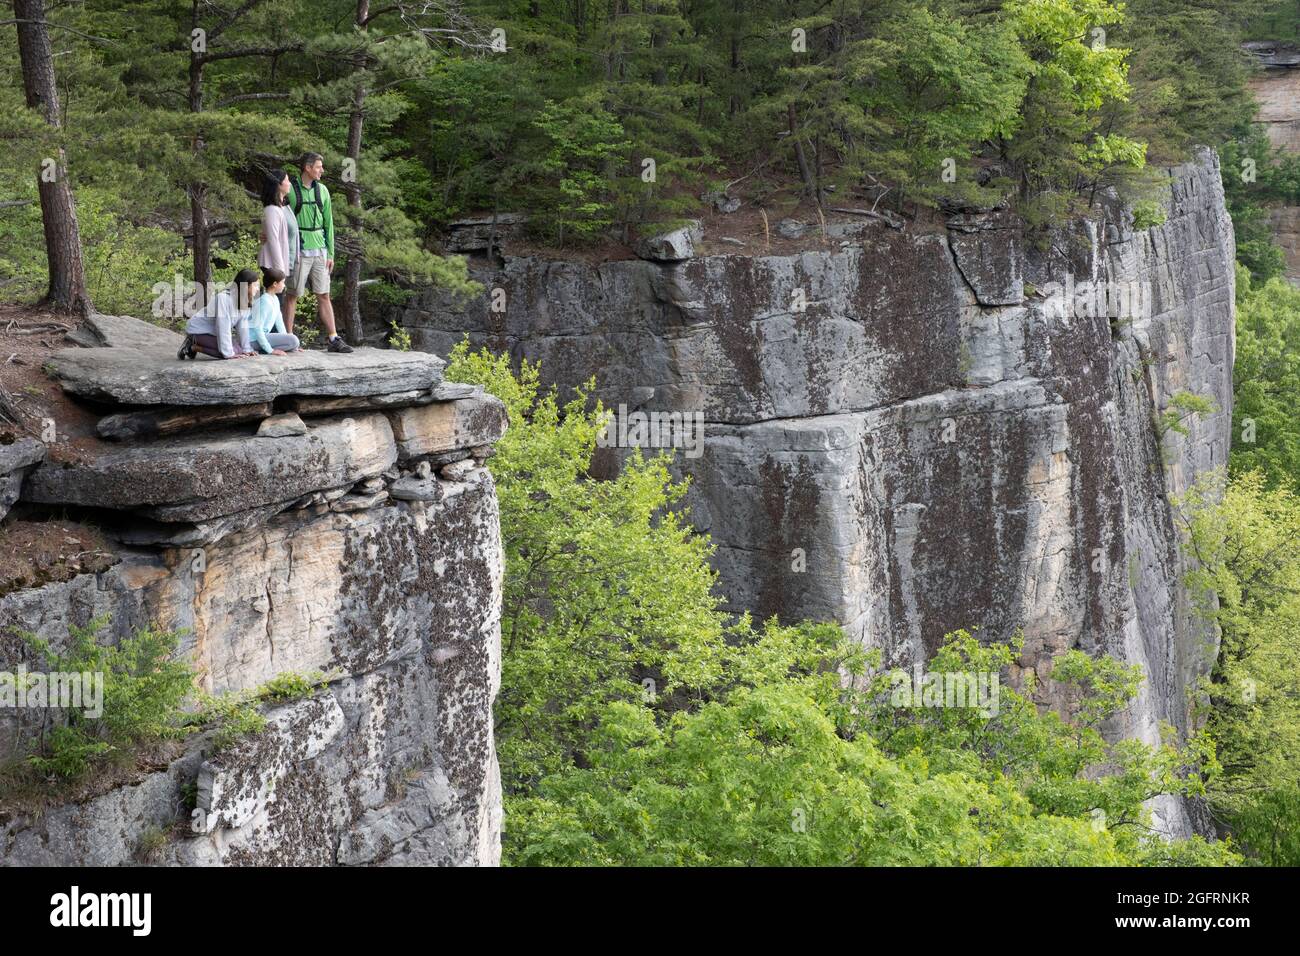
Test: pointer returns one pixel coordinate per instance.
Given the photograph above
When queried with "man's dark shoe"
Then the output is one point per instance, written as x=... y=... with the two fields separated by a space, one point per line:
x=338 y=345
x=187 y=349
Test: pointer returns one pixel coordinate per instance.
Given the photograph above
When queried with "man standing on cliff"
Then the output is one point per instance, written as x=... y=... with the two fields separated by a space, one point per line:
x=310 y=201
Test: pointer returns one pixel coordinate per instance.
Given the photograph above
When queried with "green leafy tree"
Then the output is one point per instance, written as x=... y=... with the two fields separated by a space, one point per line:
x=799 y=771
x=583 y=142
x=1060 y=141
x=1246 y=539
x=1266 y=381
x=638 y=725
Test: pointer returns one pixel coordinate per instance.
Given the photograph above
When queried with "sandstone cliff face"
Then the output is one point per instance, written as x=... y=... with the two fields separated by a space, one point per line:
x=357 y=536
x=910 y=434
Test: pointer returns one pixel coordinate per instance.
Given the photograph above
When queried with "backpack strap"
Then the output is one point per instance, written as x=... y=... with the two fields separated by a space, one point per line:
x=315 y=201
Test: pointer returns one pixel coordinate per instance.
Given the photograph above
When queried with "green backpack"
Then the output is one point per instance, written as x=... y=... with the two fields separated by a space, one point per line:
x=298 y=203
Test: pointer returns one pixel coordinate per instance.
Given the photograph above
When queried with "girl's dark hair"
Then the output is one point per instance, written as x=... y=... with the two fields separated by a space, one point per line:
x=271 y=188
x=271 y=276
x=245 y=279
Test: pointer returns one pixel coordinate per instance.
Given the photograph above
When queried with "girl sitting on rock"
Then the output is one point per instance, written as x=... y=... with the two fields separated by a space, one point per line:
x=266 y=325
x=213 y=329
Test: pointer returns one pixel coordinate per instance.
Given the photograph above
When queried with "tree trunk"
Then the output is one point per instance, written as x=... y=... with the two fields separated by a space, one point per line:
x=733 y=107
x=198 y=191
x=67 y=290
x=350 y=306
x=658 y=41
x=810 y=184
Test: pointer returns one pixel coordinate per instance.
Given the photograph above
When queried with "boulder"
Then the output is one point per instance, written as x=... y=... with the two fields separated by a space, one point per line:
x=458 y=470
x=673 y=246
x=287 y=425
x=415 y=489
x=448 y=426
x=359 y=501
x=721 y=202
x=791 y=229
x=16 y=459
x=132 y=376
x=125 y=332
x=231 y=797
x=198 y=479
x=19 y=454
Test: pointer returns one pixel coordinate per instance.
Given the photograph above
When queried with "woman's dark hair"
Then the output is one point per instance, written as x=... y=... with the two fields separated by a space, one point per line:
x=270 y=276
x=271 y=188
x=245 y=279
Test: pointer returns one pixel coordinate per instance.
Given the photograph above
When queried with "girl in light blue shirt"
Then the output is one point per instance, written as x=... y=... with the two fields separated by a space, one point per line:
x=266 y=325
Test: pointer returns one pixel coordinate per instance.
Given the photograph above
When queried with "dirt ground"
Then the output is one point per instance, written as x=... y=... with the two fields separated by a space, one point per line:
x=30 y=401
x=36 y=552
x=40 y=549
x=751 y=225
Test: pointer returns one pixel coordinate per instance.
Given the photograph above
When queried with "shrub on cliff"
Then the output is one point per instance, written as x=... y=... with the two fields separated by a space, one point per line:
x=138 y=701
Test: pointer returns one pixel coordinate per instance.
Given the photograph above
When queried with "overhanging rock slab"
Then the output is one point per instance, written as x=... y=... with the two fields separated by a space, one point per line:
x=197 y=479
x=131 y=376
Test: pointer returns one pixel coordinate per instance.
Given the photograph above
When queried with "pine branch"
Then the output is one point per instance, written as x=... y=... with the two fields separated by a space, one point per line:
x=246 y=97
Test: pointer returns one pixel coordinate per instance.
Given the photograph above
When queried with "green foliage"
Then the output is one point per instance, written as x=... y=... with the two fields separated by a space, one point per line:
x=230 y=718
x=1255 y=177
x=1182 y=406
x=398 y=337
x=289 y=685
x=1246 y=541
x=1148 y=213
x=143 y=693
x=1266 y=381
x=900 y=102
x=792 y=769
x=1073 y=78
x=603 y=585
x=638 y=724
x=582 y=139
x=123 y=261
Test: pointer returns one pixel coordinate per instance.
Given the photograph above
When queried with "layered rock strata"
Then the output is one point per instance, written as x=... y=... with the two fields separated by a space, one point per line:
x=911 y=432
x=265 y=532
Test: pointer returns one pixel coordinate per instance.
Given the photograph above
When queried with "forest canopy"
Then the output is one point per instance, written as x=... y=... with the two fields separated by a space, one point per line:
x=598 y=117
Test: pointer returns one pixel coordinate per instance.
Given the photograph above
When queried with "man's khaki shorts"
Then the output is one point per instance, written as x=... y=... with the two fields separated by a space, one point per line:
x=312 y=267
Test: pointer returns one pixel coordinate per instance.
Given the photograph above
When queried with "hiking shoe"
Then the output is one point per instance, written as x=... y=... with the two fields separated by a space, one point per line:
x=338 y=345
x=186 y=349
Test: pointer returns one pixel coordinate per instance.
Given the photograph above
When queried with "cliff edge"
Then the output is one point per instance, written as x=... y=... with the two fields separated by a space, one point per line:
x=914 y=432
x=305 y=514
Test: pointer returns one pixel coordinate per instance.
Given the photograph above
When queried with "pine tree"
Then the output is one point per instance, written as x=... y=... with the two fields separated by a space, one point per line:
x=370 y=66
x=67 y=289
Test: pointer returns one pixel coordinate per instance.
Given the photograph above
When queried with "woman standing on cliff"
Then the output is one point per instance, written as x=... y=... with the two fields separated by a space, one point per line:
x=279 y=249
